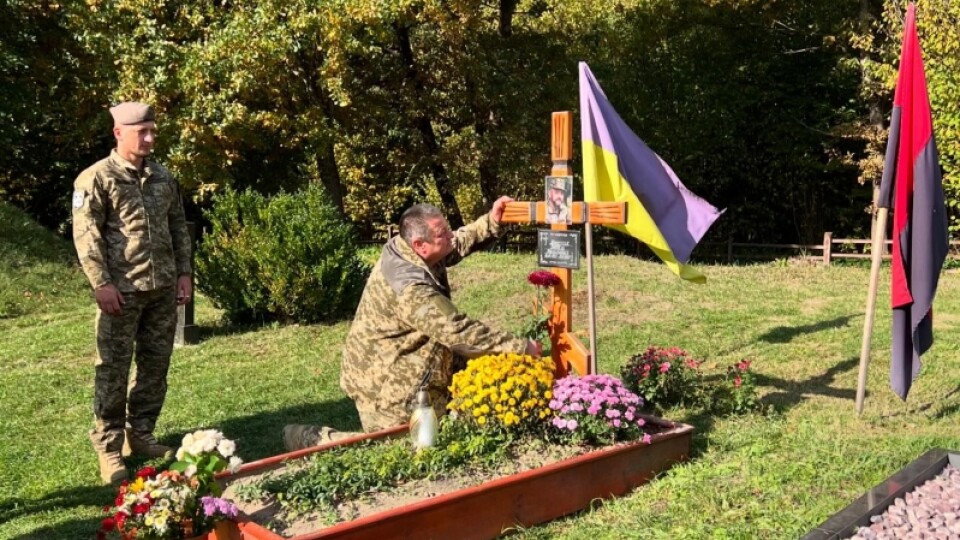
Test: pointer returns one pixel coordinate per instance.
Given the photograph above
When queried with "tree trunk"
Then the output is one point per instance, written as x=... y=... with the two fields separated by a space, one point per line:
x=326 y=158
x=425 y=127
x=330 y=174
x=485 y=118
x=506 y=17
x=875 y=121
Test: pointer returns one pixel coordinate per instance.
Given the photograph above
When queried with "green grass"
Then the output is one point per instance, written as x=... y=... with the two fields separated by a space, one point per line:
x=774 y=476
x=38 y=271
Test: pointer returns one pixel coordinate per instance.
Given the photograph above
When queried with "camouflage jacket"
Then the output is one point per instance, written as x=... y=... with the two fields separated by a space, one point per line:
x=406 y=328
x=129 y=227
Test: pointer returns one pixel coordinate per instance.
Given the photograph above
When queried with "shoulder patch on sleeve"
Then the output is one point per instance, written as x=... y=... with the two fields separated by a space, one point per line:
x=79 y=196
x=443 y=305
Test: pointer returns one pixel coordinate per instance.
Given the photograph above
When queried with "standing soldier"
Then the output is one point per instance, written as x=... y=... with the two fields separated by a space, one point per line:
x=407 y=329
x=131 y=237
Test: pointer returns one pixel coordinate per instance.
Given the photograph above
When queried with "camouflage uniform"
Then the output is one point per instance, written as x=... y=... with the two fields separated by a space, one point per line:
x=129 y=230
x=558 y=214
x=407 y=329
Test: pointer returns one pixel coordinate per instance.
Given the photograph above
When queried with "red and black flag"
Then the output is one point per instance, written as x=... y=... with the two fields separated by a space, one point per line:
x=912 y=179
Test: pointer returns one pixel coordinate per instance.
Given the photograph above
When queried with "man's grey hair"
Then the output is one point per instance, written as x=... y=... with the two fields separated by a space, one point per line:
x=413 y=222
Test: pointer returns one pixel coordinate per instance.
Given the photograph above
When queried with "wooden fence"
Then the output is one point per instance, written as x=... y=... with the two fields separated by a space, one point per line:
x=830 y=249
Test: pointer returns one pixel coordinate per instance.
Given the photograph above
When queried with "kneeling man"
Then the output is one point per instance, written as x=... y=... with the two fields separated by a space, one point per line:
x=407 y=329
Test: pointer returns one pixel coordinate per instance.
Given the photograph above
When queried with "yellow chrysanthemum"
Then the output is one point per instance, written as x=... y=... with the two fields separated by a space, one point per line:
x=505 y=390
x=136 y=486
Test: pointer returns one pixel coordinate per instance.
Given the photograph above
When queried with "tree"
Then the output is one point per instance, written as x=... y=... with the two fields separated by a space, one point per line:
x=53 y=109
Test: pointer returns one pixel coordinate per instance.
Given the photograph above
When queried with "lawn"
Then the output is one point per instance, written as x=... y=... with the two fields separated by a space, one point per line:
x=772 y=475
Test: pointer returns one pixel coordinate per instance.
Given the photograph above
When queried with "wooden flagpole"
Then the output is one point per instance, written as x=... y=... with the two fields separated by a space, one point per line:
x=591 y=299
x=877 y=249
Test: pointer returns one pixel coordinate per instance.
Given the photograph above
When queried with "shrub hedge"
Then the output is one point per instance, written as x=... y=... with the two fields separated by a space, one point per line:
x=290 y=257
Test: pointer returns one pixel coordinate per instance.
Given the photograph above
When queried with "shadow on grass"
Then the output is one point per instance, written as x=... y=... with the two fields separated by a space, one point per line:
x=785 y=334
x=68 y=530
x=946 y=406
x=702 y=423
x=227 y=329
x=790 y=392
x=259 y=435
x=947 y=409
x=96 y=496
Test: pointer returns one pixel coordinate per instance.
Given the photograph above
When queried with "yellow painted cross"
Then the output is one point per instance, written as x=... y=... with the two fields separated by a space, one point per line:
x=567 y=350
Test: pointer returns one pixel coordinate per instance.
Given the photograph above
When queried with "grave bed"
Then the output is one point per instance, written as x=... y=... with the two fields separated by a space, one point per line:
x=494 y=507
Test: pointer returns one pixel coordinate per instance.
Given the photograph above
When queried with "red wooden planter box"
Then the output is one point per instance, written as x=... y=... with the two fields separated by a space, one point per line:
x=487 y=510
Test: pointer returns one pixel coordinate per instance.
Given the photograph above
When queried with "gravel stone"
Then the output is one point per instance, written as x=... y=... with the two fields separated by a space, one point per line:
x=930 y=511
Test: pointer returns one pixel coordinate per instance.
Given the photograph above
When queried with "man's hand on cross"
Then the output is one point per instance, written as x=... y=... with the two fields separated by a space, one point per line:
x=496 y=214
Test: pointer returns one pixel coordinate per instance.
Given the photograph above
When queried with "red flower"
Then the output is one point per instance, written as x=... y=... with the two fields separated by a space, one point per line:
x=108 y=524
x=743 y=365
x=121 y=519
x=141 y=508
x=543 y=278
x=737 y=381
x=664 y=367
x=146 y=473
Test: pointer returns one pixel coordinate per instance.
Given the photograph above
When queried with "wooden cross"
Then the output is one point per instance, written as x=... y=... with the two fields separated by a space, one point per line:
x=566 y=349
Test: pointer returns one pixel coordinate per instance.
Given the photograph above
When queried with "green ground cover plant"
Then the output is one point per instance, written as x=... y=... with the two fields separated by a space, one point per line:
x=343 y=474
x=775 y=475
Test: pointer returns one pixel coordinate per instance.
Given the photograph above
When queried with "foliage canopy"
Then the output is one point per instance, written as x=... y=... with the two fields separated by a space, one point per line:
x=772 y=109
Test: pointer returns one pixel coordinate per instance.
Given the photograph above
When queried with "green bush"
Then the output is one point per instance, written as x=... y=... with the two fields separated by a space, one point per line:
x=670 y=377
x=290 y=257
x=665 y=377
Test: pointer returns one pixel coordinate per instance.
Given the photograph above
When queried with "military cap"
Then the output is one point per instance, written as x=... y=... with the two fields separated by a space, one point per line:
x=558 y=182
x=131 y=112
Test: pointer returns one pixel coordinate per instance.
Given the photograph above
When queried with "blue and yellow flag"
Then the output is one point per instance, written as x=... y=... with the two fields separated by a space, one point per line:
x=618 y=166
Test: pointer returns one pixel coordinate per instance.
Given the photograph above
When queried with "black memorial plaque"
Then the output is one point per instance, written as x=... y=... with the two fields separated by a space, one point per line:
x=559 y=249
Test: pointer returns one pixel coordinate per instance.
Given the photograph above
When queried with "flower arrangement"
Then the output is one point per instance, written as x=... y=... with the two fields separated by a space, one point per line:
x=537 y=326
x=664 y=377
x=596 y=409
x=204 y=453
x=179 y=502
x=508 y=391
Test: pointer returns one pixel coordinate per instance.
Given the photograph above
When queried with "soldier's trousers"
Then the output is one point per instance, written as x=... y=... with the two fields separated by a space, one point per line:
x=378 y=415
x=143 y=333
